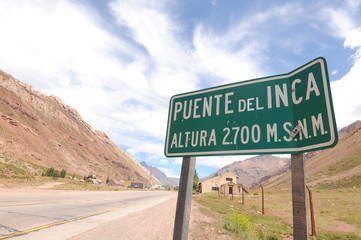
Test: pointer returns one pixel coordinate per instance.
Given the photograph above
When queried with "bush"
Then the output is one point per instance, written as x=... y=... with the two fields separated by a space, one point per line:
x=267 y=236
x=337 y=236
x=52 y=172
x=272 y=237
x=63 y=173
x=238 y=223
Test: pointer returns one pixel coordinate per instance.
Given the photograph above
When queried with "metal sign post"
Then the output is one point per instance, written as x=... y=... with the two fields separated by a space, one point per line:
x=287 y=113
x=262 y=199
x=299 y=203
x=313 y=225
x=183 y=211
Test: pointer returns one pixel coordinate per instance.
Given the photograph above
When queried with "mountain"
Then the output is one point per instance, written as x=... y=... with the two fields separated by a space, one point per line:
x=161 y=176
x=345 y=131
x=252 y=169
x=40 y=131
x=335 y=167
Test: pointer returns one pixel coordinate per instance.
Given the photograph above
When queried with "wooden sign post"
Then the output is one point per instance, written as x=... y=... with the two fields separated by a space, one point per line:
x=184 y=201
x=299 y=203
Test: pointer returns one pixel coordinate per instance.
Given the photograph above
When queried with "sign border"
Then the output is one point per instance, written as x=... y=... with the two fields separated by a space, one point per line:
x=330 y=114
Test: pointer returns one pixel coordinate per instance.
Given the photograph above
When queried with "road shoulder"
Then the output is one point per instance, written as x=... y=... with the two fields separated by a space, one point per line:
x=155 y=223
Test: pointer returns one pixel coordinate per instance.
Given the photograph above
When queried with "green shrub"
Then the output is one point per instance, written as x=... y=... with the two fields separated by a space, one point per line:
x=63 y=173
x=238 y=223
x=272 y=237
x=337 y=236
x=52 y=172
x=268 y=236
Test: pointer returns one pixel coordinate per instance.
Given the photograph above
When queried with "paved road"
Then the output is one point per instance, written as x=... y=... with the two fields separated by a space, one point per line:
x=68 y=212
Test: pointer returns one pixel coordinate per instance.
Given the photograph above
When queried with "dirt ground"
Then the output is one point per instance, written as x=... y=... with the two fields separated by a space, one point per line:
x=203 y=227
x=156 y=224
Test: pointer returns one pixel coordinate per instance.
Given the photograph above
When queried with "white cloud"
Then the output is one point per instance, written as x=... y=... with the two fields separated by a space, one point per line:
x=154 y=149
x=61 y=48
x=151 y=26
x=346 y=91
x=220 y=161
x=120 y=81
x=354 y=4
x=237 y=51
x=58 y=37
x=338 y=22
x=353 y=41
x=216 y=58
x=169 y=172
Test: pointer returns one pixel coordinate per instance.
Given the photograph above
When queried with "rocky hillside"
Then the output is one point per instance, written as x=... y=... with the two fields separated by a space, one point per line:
x=40 y=131
x=251 y=170
x=346 y=131
x=161 y=176
x=336 y=167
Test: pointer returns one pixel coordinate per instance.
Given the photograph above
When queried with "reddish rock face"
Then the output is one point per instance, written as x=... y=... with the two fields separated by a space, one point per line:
x=42 y=130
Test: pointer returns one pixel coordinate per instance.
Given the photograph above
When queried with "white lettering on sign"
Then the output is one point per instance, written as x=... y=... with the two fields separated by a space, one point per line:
x=194 y=139
x=203 y=107
x=317 y=124
x=207 y=107
x=287 y=126
x=272 y=132
x=304 y=131
x=311 y=86
x=227 y=102
x=249 y=104
x=252 y=134
x=295 y=100
x=243 y=134
x=279 y=94
x=277 y=97
x=195 y=108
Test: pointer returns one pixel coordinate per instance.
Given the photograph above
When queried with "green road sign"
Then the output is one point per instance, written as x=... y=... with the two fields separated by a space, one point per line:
x=289 y=113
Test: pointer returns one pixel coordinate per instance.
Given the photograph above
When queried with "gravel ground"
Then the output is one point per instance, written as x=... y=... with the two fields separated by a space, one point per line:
x=156 y=223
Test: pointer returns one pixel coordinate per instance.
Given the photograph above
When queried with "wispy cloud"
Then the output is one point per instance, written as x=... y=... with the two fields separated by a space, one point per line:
x=346 y=92
x=338 y=21
x=221 y=161
x=237 y=51
x=169 y=172
x=161 y=36
x=120 y=75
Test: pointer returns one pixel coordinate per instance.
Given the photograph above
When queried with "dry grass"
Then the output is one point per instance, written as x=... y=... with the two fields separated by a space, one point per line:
x=337 y=212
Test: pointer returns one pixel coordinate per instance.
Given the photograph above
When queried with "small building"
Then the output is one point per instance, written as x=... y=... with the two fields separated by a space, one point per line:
x=159 y=187
x=94 y=181
x=137 y=185
x=230 y=188
x=214 y=184
x=116 y=183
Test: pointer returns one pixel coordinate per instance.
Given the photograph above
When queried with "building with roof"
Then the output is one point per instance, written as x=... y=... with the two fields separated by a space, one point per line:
x=215 y=184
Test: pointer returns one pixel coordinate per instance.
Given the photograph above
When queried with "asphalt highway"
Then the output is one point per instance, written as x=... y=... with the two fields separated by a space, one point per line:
x=33 y=215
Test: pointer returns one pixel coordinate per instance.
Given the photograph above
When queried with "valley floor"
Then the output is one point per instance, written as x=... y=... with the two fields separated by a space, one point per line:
x=337 y=214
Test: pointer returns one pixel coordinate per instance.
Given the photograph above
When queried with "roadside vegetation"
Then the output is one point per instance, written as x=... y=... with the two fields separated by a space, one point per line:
x=11 y=168
x=337 y=214
x=52 y=172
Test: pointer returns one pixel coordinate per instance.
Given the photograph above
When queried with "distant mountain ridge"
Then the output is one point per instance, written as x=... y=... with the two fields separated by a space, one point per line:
x=335 y=167
x=252 y=169
x=345 y=131
x=161 y=176
x=40 y=131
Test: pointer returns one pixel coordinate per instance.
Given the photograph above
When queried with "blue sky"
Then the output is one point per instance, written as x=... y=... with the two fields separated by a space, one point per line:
x=119 y=62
